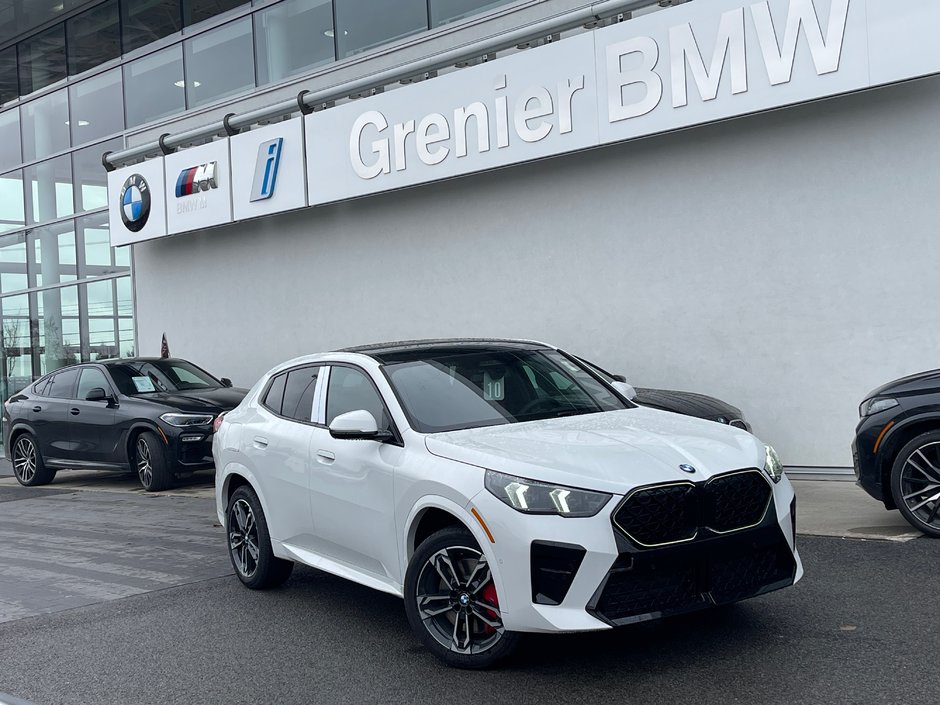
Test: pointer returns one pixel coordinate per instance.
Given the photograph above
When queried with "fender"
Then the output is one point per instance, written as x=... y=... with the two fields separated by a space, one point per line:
x=137 y=425
x=930 y=413
x=20 y=425
x=223 y=480
x=461 y=513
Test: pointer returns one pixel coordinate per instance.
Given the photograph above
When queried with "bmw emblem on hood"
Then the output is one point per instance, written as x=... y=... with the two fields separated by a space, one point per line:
x=687 y=468
x=135 y=203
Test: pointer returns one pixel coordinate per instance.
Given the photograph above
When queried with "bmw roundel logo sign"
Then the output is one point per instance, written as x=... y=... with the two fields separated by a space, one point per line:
x=135 y=203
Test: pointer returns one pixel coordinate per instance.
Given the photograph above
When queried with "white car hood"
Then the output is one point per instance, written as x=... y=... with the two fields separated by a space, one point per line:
x=611 y=452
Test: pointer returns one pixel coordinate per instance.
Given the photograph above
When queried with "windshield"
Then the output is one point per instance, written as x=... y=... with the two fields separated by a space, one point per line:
x=135 y=377
x=449 y=391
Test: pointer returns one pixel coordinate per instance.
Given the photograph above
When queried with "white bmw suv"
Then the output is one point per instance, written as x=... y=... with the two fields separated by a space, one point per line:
x=498 y=487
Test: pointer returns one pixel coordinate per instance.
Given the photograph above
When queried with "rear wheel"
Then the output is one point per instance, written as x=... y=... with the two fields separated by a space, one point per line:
x=249 y=543
x=915 y=483
x=451 y=602
x=28 y=466
x=150 y=459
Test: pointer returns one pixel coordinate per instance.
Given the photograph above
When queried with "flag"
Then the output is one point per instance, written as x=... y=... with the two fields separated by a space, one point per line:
x=164 y=348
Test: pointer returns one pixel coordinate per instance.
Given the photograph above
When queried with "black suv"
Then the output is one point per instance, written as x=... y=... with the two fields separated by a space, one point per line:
x=897 y=448
x=152 y=416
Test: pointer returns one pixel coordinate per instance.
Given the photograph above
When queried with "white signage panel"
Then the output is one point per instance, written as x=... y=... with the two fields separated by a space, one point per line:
x=707 y=61
x=268 y=170
x=522 y=107
x=903 y=39
x=198 y=189
x=136 y=203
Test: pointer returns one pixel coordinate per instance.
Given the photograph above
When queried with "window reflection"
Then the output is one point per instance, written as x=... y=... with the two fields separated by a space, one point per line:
x=48 y=188
x=103 y=333
x=15 y=337
x=292 y=36
x=42 y=59
x=195 y=11
x=57 y=324
x=363 y=24
x=97 y=107
x=45 y=126
x=13 y=263
x=153 y=86
x=52 y=256
x=12 y=209
x=99 y=258
x=9 y=139
x=146 y=21
x=219 y=63
x=94 y=37
x=91 y=180
x=9 y=84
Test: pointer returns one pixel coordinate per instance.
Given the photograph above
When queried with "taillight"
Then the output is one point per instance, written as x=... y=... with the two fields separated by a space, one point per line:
x=217 y=424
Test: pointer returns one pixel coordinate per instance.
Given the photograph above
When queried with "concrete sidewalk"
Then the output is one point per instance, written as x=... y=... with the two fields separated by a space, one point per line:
x=824 y=507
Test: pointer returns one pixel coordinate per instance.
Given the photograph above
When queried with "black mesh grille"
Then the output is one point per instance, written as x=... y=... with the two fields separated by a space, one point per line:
x=658 y=515
x=738 y=576
x=629 y=593
x=735 y=501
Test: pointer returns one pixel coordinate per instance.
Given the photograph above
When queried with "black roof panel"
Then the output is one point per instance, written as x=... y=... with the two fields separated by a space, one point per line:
x=383 y=351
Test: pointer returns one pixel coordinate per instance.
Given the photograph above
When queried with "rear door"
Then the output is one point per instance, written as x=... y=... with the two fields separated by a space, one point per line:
x=49 y=416
x=93 y=431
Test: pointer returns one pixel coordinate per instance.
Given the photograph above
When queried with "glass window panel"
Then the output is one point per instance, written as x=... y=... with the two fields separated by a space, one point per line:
x=444 y=11
x=200 y=10
x=48 y=188
x=42 y=59
x=102 y=320
x=51 y=251
x=293 y=36
x=12 y=209
x=89 y=176
x=97 y=107
x=17 y=369
x=45 y=126
x=9 y=84
x=13 y=263
x=363 y=24
x=57 y=322
x=99 y=258
x=125 y=307
x=146 y=21
x=10 y=139
x=153 y=86
x=219 y=63
x=93 y=37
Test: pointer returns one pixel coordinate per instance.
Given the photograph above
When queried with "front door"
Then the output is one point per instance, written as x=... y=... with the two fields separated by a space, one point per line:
x=351 y=486
x=94 y=434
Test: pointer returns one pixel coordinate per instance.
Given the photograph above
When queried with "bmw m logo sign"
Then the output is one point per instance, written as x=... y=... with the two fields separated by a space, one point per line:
x=196 y=179
x=135 y=203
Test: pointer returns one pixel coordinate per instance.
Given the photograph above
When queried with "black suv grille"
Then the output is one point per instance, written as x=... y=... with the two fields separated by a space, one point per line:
x=673 y=513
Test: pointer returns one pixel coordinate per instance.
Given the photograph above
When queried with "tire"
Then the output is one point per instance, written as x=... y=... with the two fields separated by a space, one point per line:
x=28 y=466
x=466 y=597
x=245 y=526
x=151 y=463
x=915 y=483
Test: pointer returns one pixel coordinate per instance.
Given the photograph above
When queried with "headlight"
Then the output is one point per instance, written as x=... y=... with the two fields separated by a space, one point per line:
x=876 y=404
x=772 y=465
x=532 y=497
x=175 y=419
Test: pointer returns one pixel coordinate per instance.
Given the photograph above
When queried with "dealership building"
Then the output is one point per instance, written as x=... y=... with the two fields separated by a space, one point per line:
x=724 y=196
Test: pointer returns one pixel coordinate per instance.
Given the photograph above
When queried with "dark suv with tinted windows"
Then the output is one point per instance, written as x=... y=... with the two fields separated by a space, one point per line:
x=153 y=416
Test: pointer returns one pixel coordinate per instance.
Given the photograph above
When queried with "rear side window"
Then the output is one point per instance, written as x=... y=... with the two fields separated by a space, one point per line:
x=298 y=394
x=275 y=394
x=62 y=385
x=40 y=386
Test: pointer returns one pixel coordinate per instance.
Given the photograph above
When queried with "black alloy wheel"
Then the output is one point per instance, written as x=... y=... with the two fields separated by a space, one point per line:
x=150 y=462
x=249 y=543
x=451 y=602
x=28 y=466
x=915 y=483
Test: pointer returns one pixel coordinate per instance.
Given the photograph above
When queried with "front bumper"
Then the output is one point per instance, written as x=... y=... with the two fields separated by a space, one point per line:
x=615 y=581
x=190 y=447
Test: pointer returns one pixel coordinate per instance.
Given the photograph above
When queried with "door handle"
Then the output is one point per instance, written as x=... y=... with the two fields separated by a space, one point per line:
x=325 y=457
x=37 y=408
x=261 y=442
x=75 y=412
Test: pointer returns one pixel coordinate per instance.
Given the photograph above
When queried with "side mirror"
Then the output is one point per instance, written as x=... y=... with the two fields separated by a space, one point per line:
x=226 y=382
x=624 y=389
x=97 y=394
x=357 y=425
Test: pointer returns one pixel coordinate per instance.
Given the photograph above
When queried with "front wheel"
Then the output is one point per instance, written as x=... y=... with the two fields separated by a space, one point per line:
x=915 y=483
x=451 y=602
x=150 y=458
x=28 y=466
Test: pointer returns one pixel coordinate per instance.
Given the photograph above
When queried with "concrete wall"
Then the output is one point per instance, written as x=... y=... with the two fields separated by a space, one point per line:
x=784 y=262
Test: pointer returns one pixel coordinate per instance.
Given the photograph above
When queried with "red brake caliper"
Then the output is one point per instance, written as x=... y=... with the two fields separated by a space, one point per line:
x=489 y=597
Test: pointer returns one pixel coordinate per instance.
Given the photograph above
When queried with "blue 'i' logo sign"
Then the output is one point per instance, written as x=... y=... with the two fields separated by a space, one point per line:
x=269 y=159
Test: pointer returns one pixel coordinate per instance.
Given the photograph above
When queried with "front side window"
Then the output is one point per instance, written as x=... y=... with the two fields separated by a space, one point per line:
x=62 y=385
x=446 y=391
x=298 y=394
x=92 y=378
x=351 y=390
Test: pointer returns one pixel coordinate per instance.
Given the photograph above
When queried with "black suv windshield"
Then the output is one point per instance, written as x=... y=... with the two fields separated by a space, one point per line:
x=446 y=391
x=134 y=377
